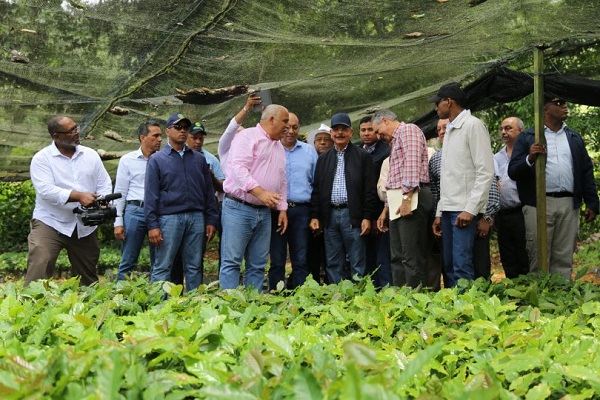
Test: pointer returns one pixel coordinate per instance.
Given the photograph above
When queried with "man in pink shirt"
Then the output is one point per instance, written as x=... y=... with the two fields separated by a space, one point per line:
x=255 y=183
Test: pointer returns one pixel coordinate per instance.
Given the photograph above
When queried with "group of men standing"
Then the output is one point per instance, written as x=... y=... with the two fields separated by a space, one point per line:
x=276 y=192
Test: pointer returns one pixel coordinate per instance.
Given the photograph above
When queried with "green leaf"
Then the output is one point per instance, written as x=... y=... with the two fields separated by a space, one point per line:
x=419 y=362
x=306 y=386
x=232 y=334
x=539 y=392
x=110 y=376
x=359 y=354
x=280 y=344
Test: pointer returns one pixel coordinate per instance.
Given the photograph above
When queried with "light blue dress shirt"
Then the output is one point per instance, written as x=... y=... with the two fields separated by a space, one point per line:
x=300 y=163
x=559 y=162
x=214 y=164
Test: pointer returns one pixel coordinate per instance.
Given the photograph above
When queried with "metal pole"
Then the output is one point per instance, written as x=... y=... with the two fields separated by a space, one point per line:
x=540 y=162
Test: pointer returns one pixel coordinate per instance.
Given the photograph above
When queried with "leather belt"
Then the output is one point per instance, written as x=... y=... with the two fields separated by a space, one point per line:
x=339 y=206
x=510 y=210
x=139 y=203
x=244 y=202
x=295 y=204
x=559 y=194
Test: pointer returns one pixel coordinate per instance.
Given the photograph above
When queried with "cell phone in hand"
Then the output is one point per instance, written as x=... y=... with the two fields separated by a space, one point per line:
x=265 y=100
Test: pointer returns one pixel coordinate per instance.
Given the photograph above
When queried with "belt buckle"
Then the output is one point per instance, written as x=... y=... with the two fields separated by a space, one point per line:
x=291 y=204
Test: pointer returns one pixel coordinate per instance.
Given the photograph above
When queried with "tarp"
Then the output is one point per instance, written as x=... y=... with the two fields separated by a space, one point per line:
x=504 y=85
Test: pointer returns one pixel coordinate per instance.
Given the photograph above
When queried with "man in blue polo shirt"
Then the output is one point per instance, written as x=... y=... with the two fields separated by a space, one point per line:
x=179 y=204
x=301 y=159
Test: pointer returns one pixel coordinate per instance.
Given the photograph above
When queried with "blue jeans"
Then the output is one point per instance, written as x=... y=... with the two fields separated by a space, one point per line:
x=457 y=248
x=246 y=235
x=185 y=231
x=135 y=233
x=341 y=239
x=296 y=236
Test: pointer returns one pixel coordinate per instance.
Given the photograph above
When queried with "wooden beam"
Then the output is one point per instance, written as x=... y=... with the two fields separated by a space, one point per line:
x=540 y=162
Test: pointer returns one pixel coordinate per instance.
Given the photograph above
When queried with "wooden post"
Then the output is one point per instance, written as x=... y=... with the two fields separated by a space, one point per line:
x=540 y=162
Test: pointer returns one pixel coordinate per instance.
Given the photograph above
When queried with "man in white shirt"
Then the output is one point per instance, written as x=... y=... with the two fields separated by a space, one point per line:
x=467 y=172
x=130 y=224
x=509 y=223
x=64 y=176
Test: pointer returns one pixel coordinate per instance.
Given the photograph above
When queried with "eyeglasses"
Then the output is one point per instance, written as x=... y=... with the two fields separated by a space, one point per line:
x=440 y=100
x=180 y=127
x=70 y=131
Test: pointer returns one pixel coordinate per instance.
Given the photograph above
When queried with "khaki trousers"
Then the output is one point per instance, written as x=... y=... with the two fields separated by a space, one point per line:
x=45 y=244
x=562 y=223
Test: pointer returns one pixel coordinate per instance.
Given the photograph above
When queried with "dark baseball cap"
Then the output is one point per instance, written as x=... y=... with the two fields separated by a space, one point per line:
x=198 y=128
x=177 y=118
x=341 y=119
x=553 y=99
x=450 y=90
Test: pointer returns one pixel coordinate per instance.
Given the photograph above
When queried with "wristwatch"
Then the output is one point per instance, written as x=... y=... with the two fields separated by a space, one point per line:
x=488 y=219
x=406 y=197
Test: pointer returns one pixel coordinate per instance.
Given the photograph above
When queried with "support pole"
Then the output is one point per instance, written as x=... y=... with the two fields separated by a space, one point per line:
x=540 y=162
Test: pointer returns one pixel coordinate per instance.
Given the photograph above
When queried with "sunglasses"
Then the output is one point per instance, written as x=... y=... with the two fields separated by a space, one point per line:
x=180 y=127
x=558 y=103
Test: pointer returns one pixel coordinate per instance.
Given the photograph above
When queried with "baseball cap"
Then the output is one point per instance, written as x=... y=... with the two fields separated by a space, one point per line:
x=324 y=129
x=450 y=90
x=553 y=99
x=176 y=118
x=341 y=119
x=198 y=128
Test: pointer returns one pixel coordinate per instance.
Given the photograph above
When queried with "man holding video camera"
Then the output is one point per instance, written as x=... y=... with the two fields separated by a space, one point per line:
x=64 y=176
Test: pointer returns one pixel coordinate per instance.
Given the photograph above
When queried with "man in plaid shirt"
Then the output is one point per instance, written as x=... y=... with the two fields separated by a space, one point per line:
x=408 y=172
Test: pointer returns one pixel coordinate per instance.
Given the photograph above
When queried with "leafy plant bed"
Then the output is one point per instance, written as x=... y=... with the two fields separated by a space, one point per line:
x=535 y=337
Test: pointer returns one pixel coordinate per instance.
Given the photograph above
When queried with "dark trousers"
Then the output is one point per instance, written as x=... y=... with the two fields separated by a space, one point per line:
x=45 y=244
x=482 y=263
x=296 y=236
x=410 y=245
x=379 y=259
x=317 y=261
x=510 y=226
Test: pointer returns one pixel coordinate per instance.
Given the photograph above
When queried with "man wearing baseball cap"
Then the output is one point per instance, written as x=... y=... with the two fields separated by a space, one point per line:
x=569 y=184
x=466 y=175
x=343 y=201
x=179 y=204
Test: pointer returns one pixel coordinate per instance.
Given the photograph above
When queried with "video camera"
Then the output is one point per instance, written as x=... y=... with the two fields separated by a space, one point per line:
x=100 y=212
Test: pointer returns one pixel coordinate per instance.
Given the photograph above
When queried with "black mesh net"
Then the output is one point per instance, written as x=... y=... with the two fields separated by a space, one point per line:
x=112 y=64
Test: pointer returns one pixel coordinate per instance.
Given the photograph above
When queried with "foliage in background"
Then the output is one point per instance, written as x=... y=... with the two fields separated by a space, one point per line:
x=17 y=200
x=535 y=337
